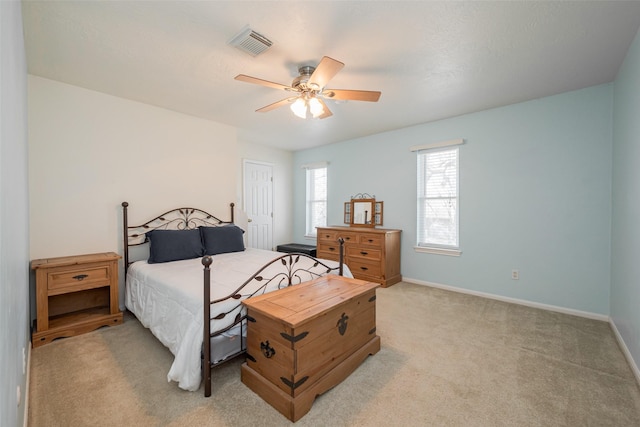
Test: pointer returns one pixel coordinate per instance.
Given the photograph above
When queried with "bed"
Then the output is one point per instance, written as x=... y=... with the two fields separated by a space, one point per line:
x=186 y=256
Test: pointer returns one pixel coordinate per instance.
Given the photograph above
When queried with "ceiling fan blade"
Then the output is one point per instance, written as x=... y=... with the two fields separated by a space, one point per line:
x=326 y=69
x=352 y=95
x=257 y=81
x=327 y=112
x=276 y=105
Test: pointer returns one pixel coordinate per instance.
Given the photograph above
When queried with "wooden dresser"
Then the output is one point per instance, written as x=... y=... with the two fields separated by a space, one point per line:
x=74 y=295
x=371 y=253
x=305 y=339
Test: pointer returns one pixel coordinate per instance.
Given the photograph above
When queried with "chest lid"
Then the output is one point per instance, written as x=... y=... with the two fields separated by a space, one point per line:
x=304 y=302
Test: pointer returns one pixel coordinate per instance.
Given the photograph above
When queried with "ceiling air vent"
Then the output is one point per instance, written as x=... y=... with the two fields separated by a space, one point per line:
x=251 y=42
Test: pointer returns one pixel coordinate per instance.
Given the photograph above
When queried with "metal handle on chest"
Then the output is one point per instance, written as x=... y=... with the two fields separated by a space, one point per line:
x=267 y=350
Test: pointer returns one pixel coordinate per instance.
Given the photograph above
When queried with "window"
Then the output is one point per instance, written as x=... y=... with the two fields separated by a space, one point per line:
x=437 y=198
x=316 y=197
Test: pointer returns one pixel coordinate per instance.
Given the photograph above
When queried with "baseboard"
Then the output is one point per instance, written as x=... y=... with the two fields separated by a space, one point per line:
x=625 y=351
x=26 y=388
x=548 y=307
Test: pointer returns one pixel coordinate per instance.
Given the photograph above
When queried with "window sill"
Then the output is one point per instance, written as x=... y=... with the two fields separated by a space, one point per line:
x=437 y=251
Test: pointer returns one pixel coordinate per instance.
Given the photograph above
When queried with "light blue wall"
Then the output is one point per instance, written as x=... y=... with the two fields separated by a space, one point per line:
x=625 y=271
x=535 y=195
x=14 y=217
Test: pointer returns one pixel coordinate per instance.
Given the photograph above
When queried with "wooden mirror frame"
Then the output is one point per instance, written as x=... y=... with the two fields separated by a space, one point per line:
x=373 y=213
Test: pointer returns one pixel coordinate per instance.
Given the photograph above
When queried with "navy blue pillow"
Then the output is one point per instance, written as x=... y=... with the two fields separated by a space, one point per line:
x=222 y=240
x=174 y=245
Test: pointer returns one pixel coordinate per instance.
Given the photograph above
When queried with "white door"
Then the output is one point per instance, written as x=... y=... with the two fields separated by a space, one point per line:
x=258 y=203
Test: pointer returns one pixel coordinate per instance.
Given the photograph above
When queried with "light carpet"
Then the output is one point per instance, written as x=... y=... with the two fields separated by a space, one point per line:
x=447 y=359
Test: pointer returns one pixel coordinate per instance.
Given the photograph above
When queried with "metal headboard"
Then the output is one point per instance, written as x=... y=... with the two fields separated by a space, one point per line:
x=174 y=219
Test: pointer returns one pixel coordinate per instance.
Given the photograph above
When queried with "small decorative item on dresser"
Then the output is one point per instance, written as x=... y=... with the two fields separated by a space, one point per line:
x=75 y=295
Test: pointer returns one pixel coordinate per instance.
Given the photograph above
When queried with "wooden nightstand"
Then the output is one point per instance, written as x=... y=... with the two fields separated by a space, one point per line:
x=75 y=295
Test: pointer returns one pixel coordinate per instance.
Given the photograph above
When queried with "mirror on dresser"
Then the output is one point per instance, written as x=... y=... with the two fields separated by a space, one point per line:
x=363 y=211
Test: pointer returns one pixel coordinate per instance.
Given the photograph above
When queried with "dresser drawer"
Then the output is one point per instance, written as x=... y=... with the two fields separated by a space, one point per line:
x=78 y=278
x=331 y=252
x=367 y=239
x=350 y=238
x=329 y=236
x=364 y=253
x=361 y=267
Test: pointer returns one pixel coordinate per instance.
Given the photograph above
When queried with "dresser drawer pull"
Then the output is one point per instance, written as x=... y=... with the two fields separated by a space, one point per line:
x=347 y=238
x=364 y=253
x=80 y=277
x=370 y=240
x=332 y=249
x=364 y=268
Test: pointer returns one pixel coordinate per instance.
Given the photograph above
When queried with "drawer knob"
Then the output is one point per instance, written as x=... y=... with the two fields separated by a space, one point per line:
x=80 y=277
x=267 y=350
x=364 y=253
x=364 y=268
x=332 y=249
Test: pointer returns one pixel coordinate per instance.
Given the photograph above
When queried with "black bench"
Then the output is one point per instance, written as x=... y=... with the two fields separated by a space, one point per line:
x=297 y=247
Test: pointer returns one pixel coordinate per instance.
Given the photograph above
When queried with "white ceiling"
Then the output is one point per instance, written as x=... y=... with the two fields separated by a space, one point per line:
x=430 y=60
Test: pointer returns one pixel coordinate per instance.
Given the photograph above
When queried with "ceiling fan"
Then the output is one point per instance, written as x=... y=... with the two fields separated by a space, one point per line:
x=310 y=92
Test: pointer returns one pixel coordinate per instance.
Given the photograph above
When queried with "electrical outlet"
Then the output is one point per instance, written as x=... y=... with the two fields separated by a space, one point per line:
x=515 y=274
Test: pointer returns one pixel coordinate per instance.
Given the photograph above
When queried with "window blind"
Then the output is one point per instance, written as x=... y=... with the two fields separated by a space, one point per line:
x=316 y=195
x=437 y=200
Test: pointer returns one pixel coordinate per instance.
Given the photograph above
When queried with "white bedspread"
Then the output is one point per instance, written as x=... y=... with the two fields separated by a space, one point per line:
x=167 y=299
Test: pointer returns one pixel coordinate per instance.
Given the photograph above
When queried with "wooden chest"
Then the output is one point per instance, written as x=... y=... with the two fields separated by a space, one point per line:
x=371 y=253
x=305 y=339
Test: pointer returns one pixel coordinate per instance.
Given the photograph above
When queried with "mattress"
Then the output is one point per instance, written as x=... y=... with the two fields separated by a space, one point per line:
x=167 y=299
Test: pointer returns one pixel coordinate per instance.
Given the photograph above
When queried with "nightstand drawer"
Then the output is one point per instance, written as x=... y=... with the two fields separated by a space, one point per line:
x=78 y=278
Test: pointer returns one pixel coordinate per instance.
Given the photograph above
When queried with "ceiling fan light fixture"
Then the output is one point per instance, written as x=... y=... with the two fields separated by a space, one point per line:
x=315 y=107
x=299 y=108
